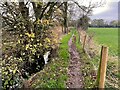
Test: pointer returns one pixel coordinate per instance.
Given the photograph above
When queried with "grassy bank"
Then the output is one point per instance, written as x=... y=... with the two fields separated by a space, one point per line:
x=54 y=74
x=108 y=37
x=87 y=67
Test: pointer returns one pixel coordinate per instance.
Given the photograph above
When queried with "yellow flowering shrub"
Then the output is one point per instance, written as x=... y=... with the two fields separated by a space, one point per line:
x=32 y=35
x=28 y=55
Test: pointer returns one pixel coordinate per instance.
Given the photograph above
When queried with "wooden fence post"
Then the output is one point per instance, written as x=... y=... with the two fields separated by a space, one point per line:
x=84 y=42
x=78 y=37
x=74 y=39
x=103 y=66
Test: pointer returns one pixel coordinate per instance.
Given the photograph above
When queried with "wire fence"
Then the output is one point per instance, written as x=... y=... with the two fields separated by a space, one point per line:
x=88 y=44
x=93 y=50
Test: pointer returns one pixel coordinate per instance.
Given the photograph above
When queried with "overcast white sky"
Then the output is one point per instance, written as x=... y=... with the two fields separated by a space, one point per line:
x=109 y=11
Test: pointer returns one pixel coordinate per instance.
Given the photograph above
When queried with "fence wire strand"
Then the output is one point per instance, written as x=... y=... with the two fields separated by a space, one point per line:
x=92 y=49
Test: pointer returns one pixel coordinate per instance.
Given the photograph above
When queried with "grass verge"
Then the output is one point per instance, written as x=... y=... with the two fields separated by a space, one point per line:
x=54 y=75
x=87 y=67
x=90 y=66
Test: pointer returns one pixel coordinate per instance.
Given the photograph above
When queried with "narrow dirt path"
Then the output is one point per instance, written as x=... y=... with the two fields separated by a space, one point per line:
x=75 y=79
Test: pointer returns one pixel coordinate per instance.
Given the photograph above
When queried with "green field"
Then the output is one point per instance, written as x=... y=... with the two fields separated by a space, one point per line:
x=107 y=37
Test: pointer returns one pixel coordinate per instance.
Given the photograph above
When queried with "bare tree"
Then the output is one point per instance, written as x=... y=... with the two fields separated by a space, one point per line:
x=86 y=11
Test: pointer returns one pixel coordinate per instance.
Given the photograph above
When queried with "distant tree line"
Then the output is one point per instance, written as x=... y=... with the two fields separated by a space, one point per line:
x=103 y=23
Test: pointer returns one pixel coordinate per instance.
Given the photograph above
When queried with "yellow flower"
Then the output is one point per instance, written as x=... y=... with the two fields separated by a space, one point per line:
x=32 y=35
x=38 y=21
x=18 y=41
x=37 y=40
x=45 y=21
x=30 y=45
x=27 y=34
x=69 y=33
x=47 y=39
x=27 y=46
x=46 y=46
x=20 y=35
x=35 y=45
x=31 y=39
x=40 y=44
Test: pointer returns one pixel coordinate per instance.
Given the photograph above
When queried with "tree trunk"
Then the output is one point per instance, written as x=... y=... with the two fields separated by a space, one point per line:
x=65 y=17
